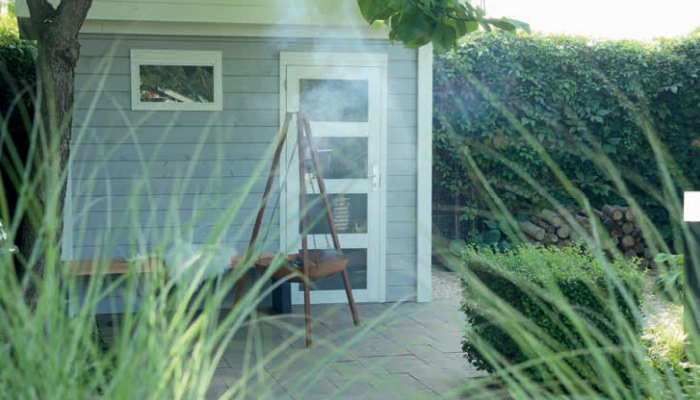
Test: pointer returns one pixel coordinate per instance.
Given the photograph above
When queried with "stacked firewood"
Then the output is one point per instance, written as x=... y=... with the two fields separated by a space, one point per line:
x=551 y=228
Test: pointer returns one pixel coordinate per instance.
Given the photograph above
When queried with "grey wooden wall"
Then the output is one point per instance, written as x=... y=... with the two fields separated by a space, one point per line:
x=140 y=178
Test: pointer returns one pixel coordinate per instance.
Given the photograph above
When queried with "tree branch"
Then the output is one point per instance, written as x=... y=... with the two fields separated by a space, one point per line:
x=39 y=12
x=71 y=14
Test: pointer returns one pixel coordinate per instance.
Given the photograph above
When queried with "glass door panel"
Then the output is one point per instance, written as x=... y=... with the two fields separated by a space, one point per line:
x=349 y=214
x=341 y=104
x=342 y=157
x=357 y=271
x=334 y=100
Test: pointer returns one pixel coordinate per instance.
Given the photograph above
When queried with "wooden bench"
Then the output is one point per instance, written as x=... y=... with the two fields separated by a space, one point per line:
x=113 y=267
x=281 y=296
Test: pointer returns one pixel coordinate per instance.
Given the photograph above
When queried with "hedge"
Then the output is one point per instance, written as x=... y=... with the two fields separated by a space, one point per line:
x=537 y=285
x=17 y=95
x=579 y=99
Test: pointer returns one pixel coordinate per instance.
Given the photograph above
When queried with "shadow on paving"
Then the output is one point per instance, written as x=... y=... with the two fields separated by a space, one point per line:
x=401 y=351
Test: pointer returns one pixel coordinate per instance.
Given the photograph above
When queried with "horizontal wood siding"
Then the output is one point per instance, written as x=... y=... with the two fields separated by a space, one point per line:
x=140 y=178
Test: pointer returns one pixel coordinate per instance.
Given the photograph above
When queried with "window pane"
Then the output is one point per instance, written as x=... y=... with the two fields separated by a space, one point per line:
x=349 y=213
x=177 y=83
x=334 y=100
x=342 y=158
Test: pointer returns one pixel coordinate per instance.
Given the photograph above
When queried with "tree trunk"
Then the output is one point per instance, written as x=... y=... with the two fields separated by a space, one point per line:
x=56 y=31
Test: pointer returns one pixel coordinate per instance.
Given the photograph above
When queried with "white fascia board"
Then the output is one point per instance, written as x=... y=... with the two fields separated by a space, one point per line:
x=265 y=18
x=425 y=176
x=229 y=30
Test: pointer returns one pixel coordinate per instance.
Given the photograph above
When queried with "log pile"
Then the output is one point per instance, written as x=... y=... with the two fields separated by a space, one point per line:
x=550 y=228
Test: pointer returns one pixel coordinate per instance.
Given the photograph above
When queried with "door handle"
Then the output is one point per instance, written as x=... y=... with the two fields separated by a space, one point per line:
x=374 y=177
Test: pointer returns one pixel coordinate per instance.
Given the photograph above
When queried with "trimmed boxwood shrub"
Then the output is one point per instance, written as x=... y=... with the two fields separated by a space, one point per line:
x=564 y=297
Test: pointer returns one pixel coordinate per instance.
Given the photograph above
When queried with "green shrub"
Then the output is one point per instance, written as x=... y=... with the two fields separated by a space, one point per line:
x=670 y=282
x=581 y=101
x=668 y=348
x=565 y=298
x=17 y=95
x=667 y=342
x=17 y=69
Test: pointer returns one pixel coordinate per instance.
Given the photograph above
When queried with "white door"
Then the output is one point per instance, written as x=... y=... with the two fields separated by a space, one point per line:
x=345 y=105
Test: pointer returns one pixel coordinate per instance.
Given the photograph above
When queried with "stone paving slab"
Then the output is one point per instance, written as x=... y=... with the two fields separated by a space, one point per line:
x=400 y=351
x=405 y=351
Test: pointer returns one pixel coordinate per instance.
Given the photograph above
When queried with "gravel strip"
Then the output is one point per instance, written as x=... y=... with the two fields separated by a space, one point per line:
x=446 y=285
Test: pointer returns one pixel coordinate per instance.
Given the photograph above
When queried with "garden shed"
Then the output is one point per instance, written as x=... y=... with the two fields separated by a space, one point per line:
x=179 y=103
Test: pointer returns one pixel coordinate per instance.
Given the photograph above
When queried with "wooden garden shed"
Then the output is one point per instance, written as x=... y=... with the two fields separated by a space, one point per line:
x=180 y=101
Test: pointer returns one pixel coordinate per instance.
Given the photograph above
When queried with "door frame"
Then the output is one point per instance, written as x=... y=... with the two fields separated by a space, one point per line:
x=314 y=59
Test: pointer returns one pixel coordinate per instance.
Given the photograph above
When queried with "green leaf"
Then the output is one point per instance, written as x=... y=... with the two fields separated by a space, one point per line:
x=457 y=247
x=444 y=37
x=523 y=26
x=374 y=10
x=471 y=26
x=414 y=29
x=491 y=237
x=503 y=24
x=491 y=224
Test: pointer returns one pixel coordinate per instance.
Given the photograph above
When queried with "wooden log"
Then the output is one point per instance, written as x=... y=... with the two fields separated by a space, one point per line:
x=630 y=253
x=583 y=221
x=616 y=233
x=533 y=230
x=647 y=254
x=552 y=217
x=575 y=236
x=627 y=228
x=613 y=212
x=543 y=224
x=563 y=232
x=639 y=248
x=599 y=214
x=628 y=242
x=610 y=224
x=564 y=243
x=552 y=238
x=629 y=215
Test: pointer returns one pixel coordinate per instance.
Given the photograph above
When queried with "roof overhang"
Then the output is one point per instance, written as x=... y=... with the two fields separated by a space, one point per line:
x=264 y=18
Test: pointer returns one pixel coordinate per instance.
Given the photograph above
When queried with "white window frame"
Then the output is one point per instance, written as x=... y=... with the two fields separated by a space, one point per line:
x=175 y=57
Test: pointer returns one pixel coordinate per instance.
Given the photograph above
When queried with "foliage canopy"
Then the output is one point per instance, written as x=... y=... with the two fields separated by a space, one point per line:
x=598 y=109
x=440 y=22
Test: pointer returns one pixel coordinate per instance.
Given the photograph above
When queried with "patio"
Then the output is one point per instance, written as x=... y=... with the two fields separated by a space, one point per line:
x=401 y=351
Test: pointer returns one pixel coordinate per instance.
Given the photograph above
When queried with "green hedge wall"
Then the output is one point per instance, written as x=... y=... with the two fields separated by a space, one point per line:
x=579 y=99
x=17 y=95
x=17 y=74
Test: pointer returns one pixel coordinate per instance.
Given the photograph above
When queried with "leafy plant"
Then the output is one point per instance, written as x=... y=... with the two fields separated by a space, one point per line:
x=670 y=283
x=565 y=297
x=442 y=23
x=667 y=342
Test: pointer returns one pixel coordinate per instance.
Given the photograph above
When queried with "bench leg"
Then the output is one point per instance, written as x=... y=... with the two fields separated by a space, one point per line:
x=282 y=298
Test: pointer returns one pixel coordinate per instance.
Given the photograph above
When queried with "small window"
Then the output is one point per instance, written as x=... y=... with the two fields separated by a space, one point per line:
x=176 y=80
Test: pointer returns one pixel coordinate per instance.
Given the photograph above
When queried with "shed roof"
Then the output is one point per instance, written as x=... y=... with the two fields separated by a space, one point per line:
x=208 y=17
